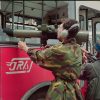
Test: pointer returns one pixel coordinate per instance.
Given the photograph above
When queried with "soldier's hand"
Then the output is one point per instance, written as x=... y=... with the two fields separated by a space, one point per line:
x=84 y=55
x=22 y=45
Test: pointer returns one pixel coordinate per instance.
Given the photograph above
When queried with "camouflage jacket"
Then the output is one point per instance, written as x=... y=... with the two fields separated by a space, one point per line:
x=64 y=60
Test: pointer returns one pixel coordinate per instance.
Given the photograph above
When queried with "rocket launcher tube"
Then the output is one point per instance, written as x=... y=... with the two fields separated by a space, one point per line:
x=23 y=33
x=82 y=36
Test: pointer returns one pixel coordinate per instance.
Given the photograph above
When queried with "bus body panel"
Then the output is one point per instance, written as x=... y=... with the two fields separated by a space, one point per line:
x=19 y=74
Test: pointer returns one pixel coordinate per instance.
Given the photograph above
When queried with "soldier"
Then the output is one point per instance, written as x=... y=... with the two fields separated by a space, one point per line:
x=63 y=59
x=91 y=73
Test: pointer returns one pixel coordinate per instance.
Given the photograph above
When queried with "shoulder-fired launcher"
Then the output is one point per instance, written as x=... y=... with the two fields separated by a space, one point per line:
x=44 y=33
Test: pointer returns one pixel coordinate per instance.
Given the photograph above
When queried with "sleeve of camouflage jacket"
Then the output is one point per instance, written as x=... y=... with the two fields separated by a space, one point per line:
x=57 y=56
x=41 y=56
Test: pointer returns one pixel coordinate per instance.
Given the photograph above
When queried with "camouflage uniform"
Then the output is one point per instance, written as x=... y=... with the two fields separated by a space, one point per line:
x=64 y=60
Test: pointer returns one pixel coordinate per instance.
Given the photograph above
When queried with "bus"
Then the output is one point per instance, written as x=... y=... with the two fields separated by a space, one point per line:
x=20 y=78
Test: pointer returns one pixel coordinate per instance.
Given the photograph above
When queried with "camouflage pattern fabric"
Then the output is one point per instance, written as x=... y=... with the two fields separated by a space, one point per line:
x=64 y=60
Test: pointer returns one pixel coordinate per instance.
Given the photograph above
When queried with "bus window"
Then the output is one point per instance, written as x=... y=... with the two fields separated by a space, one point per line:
x=52 y=41
x=98 y=32
x=6 y=39
x=30 y=24
x=81 y=20
x=38 y=16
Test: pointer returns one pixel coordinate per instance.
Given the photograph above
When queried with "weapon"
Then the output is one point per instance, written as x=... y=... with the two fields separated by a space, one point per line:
x=91 y=57
x=44 y=32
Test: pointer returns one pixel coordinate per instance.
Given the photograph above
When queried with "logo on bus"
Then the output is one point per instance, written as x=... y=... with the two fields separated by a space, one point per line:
x=19 y=65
